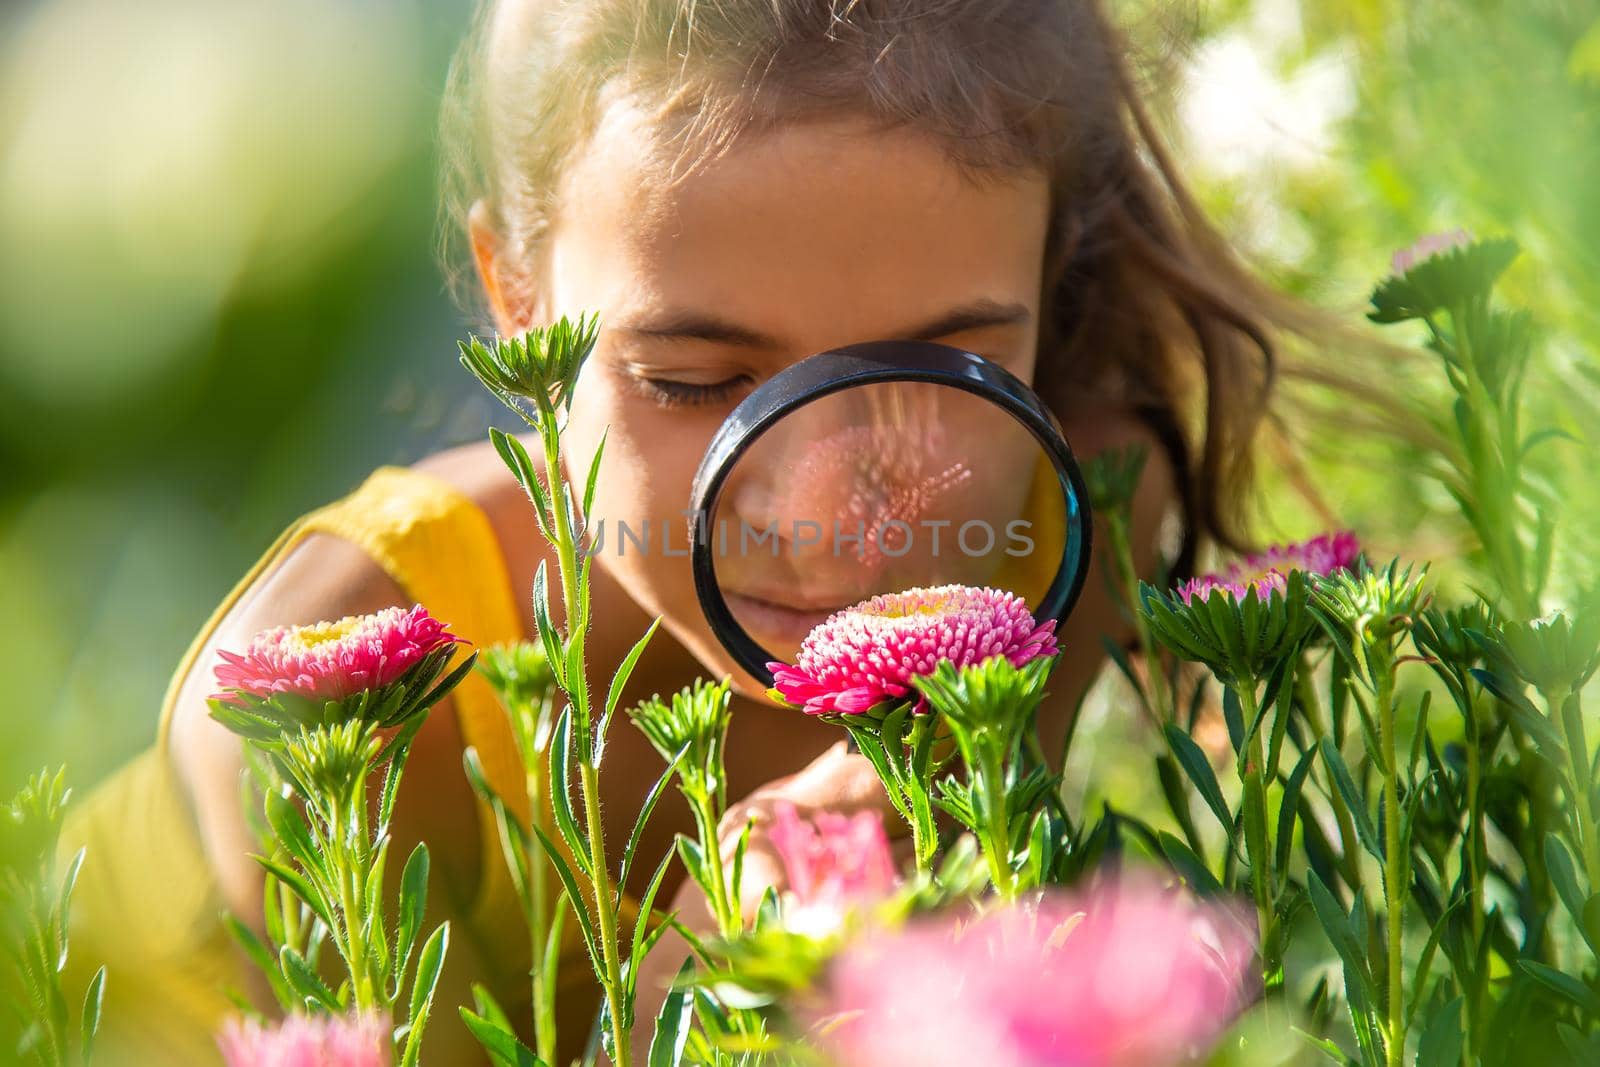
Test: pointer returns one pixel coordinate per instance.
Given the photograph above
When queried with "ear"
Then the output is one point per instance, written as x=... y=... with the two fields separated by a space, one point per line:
x=509 y=297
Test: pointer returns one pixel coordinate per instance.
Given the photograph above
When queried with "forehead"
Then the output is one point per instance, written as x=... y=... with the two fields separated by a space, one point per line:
x=820 y=232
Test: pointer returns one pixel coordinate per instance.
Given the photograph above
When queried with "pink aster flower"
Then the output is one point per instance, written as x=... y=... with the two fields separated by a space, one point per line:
x=1267 y=571
x=1426 y=247
x=333 y=660
x=306 y=1041
x=1128 y=975
x=833 y=862
x=867 y=654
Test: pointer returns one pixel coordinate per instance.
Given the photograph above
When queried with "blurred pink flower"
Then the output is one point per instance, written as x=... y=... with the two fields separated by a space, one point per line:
x=1124 y=976
x=1266 y=571
x=864 y=655
x=833 y=862
x=307 y=1041
x=1426 y=247
x=333 y=660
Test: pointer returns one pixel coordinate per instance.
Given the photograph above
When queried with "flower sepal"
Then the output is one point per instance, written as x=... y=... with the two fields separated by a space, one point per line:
x=1242 y=636
x=1440 y=271
x=1556 y=653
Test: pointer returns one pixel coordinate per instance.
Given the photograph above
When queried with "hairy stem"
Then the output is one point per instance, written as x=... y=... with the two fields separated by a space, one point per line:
x=1255 y=837
x=1393 y=863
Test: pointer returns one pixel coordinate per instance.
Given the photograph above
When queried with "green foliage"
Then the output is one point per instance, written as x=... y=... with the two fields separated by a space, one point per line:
x=35 y=901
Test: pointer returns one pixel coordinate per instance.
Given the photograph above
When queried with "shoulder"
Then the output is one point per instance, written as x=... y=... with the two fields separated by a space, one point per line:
x=477 y=473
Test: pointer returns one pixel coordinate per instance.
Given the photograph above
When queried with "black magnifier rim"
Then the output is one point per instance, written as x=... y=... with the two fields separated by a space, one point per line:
x=870 y=363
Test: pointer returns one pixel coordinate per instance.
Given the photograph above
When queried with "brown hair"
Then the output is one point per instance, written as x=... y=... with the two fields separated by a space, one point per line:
x=1146 y=306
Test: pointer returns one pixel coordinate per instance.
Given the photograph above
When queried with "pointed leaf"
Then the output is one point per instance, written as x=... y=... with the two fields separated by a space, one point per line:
x=429 y=964
x=672 y=1021
x=1352 y=798
x=89 y=1025
x=1198 y=768
x=505 y=1049
x=413 y=903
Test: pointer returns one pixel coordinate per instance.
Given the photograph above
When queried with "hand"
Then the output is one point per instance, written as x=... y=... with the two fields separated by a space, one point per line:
x=837 y=780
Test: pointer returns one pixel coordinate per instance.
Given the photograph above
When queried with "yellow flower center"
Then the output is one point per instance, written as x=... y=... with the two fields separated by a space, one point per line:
x=308 y=638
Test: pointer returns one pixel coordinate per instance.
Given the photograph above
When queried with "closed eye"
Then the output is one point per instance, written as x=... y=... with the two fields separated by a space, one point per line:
x=673 y=394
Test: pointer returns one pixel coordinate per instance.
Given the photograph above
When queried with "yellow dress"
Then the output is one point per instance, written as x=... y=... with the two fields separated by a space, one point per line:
x=147 y=904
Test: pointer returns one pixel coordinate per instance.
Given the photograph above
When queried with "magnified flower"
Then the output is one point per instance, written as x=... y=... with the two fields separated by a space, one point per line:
x=833 y=862
x=304 y=1041
x=333 y=660
x=1126 y=976
x=868 y=654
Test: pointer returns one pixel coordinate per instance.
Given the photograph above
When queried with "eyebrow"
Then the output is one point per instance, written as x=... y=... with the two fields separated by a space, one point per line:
x=698 y=326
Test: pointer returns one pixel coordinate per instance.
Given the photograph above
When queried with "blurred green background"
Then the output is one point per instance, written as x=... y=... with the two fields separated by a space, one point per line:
x=220 y=302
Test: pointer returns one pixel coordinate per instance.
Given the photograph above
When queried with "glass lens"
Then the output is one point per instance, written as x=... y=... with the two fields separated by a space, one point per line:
x=878 y=489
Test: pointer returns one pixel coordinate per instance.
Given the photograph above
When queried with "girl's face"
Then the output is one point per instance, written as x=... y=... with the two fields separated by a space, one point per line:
x=819 y=235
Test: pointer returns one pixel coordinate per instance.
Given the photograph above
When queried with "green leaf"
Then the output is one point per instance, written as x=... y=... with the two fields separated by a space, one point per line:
x=645 y=809
x=594 y=473
x=1440 y=1045
x=89 y=1025
x=1289 y=806
x=1564 y=984
x=505 y=1049
x=289 y=827
x=694 y=859
x=1564 y=876
x=516 y=457
x=1189 y=865
x=1177 y=798
x=391 y=783
x=570 y=883
x=1352 y=798
x=1542 y=730
x=646 y=909
x=429 y=964
x=264 y=958
x=301 y=888
x=1198 y=768
x=549 y=638
x=626 y=669
x=1342 y=935
x=673 y=1020
x=305 y=981
x=561 y=753
x=413 y=903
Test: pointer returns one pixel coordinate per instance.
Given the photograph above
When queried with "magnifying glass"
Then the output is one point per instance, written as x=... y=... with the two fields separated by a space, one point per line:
x=878 y=468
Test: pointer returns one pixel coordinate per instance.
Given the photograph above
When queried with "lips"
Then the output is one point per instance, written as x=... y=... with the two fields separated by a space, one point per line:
x=769 y=618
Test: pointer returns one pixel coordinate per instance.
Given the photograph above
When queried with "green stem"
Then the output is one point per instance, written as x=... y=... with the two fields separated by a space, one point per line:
x=1393 y=888
x=539 y=918
x=1162 y=703
x=1476 y=861
x=577 y=690
x=605 y=913
x=1568 y=711
x=1255 y=837
x=1349 y=853
x=729 y=918
x=997 y=825
x=352 y=898
x=924 y=839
